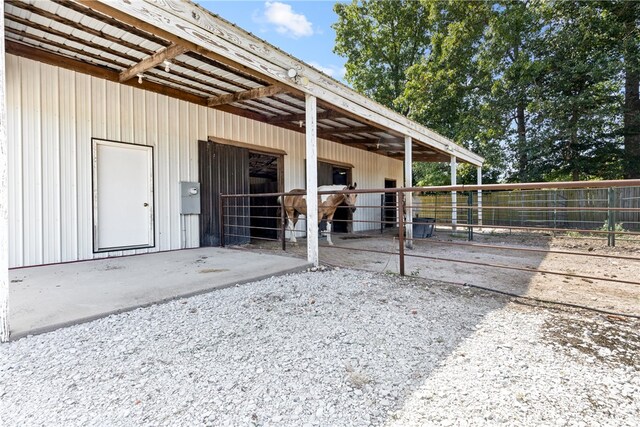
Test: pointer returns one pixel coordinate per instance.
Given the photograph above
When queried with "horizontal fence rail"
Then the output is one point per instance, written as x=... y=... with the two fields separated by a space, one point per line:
x=607 y=211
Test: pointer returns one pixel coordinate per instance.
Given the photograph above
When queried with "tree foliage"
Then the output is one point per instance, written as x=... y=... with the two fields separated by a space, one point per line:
x=381 y=39
x=544 y=90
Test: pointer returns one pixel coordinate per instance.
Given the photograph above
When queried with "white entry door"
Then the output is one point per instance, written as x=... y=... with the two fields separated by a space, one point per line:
x=122 y=196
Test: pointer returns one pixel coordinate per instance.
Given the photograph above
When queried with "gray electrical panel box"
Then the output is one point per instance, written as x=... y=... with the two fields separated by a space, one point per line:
x=189 y=198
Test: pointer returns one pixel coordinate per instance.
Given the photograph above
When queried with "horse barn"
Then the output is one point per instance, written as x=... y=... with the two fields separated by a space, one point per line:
x=124 y=122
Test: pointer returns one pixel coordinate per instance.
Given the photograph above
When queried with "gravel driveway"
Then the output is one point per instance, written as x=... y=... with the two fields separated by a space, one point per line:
x=327 y=348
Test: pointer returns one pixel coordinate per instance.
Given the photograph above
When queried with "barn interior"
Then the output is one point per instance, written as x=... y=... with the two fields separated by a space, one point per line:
x=263 y=178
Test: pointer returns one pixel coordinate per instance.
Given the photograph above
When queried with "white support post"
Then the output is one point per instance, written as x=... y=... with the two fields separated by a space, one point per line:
x=479 y=196
x=312 y=179
x=4 y=195
x=454 y=195
x=408 y=182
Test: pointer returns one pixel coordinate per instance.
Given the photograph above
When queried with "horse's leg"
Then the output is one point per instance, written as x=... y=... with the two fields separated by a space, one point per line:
x=329 y=224
x=292 y=225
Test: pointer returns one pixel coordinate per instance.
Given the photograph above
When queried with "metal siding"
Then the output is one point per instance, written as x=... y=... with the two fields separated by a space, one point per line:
x=53 y=110
x=83 y=164
x=50 y=135
x=174 y=174
x=68 y=155
x=31 y=164
x=162 y=173
x=113 y=106
x=14 y=133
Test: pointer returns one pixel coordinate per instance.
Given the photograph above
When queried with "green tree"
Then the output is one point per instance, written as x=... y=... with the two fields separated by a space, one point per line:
x=578 y=99
x=544 y=90
x=474 y=85
x=623 y=30
x=380 y=39
x=508 y=57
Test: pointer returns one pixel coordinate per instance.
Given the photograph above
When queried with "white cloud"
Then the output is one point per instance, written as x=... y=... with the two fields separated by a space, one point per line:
x=287 y=21
x=330 y=70
x=342 y=72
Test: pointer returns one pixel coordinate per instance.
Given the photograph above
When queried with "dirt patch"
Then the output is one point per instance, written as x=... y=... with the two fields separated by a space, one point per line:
x=616 y=342
x=437 y=258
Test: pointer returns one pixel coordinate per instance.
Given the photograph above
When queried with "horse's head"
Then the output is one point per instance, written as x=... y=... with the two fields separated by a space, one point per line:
x=350 y=199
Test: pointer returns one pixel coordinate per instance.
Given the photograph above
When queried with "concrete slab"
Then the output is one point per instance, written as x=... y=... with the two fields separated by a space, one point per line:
x=48 y=297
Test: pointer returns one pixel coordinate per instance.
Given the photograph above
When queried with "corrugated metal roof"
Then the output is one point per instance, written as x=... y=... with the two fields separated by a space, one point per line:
x=71 y=30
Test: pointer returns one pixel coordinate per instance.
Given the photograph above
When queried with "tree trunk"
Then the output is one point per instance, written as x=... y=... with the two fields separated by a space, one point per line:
x=572 y=148
x=522 y=143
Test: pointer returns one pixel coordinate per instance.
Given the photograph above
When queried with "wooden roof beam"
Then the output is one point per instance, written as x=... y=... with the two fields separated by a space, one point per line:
x=225 y=43
x=143 y=25
x=246 y=95
x=164 y=54
x=302 y=117
x=347 y=129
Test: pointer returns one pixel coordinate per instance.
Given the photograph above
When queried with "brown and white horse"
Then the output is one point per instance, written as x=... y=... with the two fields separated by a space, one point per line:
x=295 y=204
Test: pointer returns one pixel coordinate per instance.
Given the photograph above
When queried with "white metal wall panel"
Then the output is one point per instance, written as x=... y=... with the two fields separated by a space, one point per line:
x=50 y=163
x=54 y=113
x=84 y=111
x=31 y=163
x=14 y=132
x=162 y=171
x=173 y=161
x=68 y=168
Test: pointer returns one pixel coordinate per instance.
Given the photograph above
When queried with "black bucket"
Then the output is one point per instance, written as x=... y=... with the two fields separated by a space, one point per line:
x=423 y=227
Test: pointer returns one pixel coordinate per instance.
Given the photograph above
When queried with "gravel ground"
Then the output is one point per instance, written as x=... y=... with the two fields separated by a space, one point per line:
x=332 y=348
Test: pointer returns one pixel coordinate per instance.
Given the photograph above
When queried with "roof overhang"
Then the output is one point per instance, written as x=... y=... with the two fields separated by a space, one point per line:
x=184 y=51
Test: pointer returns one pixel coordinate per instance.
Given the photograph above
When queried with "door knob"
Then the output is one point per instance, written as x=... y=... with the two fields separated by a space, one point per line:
x=146 y=204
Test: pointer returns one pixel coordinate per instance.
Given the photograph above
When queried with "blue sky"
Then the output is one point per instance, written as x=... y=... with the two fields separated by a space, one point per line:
x=301 y=28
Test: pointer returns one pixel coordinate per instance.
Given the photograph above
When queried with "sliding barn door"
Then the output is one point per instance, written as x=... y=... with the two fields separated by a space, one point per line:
x=224 y=169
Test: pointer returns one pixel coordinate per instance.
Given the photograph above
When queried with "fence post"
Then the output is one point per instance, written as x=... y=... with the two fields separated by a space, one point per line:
x=401 y=230
x=470 y=216
x=283 y=221
x=221 y=221
x=611 y=217
x=555 y=211
x=479 y=181
x=435 y=212
x=383 y=211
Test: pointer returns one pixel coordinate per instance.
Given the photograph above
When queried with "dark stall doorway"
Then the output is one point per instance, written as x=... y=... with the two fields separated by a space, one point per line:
x=223 y=169
x=390 y=211
x=329 y=174
x=230 y=169
x=265 y=172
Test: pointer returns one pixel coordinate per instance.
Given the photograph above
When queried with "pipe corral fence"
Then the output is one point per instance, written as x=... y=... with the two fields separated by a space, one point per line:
x=602 y=210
